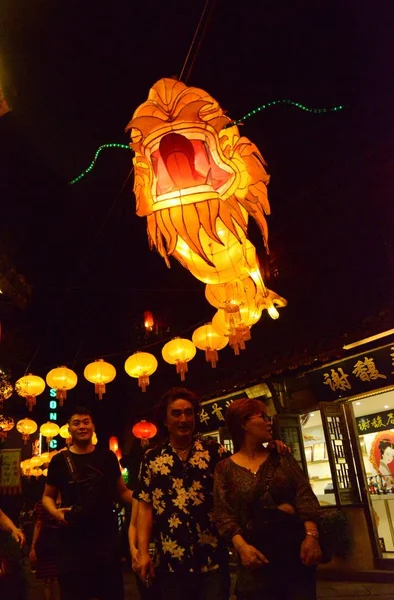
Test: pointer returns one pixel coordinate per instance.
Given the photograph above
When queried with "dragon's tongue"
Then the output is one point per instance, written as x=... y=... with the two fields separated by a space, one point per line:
x=178 y=156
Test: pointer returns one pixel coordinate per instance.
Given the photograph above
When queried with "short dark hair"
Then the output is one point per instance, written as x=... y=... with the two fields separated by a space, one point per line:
x=175 y=393
x=384 y=444
x=236 y=415
x=80 y=410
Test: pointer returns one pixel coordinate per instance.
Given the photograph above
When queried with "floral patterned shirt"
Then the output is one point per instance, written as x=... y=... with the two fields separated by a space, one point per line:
x=182 y=499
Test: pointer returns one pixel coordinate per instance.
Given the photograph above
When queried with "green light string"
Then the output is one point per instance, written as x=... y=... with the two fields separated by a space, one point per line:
x=315 y=111
x=90 y=167
x=308 y=109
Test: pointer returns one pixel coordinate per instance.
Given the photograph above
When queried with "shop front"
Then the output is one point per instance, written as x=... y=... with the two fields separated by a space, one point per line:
x=343 y=438
x=348 y=447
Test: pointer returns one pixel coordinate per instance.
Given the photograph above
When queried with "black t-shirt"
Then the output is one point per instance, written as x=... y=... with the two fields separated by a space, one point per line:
x=93 y=492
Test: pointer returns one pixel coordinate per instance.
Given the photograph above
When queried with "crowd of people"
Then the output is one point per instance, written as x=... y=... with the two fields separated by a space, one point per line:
x=192 y=507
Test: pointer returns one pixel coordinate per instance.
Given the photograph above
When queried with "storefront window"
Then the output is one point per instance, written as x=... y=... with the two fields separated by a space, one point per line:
x=318 y=465
x=375 y=424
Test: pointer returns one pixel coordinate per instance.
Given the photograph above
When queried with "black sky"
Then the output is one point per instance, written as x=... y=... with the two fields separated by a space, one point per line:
x=74 y=73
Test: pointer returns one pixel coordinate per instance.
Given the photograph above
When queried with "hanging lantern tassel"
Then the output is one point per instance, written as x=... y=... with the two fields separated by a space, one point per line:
x=99 y=388
x=181 y=369
x=143 y=382
x=30 y=402
x=61 y=395
x=211 y=356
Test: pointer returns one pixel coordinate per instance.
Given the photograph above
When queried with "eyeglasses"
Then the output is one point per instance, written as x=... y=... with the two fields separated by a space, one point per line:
x=263 y=416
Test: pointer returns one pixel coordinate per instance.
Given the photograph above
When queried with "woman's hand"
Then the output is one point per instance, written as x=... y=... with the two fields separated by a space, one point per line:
x=251 y=558
x=33 y=555
x=311 y=553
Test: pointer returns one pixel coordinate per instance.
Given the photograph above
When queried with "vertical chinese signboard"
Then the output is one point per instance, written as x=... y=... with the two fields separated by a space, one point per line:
x=10 y=474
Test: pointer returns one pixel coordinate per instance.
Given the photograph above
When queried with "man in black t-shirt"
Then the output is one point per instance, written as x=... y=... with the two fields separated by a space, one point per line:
x=89 y=480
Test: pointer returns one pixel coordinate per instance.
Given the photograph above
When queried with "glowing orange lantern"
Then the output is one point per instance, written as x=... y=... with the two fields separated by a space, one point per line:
x=144 y=431
x=49 y=430
x=113 y=443
x=26 y=427
x=61 y=379
x=179 y=352
x=100 y=373
x=6 y=424
x=148 y=320
x=29 y=387
x=197 y=181
x=206 y=338
x=94 y=439
x=141 y=365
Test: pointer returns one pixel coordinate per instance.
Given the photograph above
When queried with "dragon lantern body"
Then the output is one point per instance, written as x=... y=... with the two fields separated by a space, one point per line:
x=197 y=182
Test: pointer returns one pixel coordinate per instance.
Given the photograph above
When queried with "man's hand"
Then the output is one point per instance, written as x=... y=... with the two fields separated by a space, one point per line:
x=134 y=558
x=251 y=558
x=145 y=568
x=18 y=536
x=60 y=515
x=311 y=553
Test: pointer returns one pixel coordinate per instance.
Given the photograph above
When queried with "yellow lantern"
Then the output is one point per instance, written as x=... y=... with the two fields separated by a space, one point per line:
x=62 y=380
x=6 y=424
x=45 y=457
x=94 y=439
x=179 y=351
x=26 y=427
x=49 y=430
x=36 y=472
x=36 y=461
x=45 y=472
x=206 y=338
x=63 y=431
x=141 y=365
x=237 y=328
x=29 y=387
x=100 y=373
x=232 y=295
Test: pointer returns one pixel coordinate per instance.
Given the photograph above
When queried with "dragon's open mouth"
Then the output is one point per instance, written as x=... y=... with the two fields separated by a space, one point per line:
x=180 y=163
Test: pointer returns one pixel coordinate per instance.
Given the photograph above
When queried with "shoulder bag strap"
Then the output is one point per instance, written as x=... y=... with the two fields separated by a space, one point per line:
x=70 y=465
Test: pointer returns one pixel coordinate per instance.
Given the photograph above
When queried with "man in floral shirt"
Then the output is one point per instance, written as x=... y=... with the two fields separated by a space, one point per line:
x=176 y=505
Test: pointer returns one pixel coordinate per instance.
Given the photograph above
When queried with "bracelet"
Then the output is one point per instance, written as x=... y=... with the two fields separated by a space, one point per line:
x=313 y=533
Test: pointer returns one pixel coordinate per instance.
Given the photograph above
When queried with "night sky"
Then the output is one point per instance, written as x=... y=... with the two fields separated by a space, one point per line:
x=75 y=72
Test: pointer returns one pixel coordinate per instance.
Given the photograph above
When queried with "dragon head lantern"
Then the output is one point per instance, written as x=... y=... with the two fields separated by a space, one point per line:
x=197 y=181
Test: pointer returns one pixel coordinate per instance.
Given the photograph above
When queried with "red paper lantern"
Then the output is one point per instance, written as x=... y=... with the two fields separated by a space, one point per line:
x=113 y=443
x=148 y=320
x=144 y=430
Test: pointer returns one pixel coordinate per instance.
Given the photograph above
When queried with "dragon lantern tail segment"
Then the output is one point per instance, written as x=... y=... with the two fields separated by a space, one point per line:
x=197 y=182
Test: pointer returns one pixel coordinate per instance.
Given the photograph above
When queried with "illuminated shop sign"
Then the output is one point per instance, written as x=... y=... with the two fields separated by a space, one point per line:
x=377 y=422
x=364 y=372
x=53 y=415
